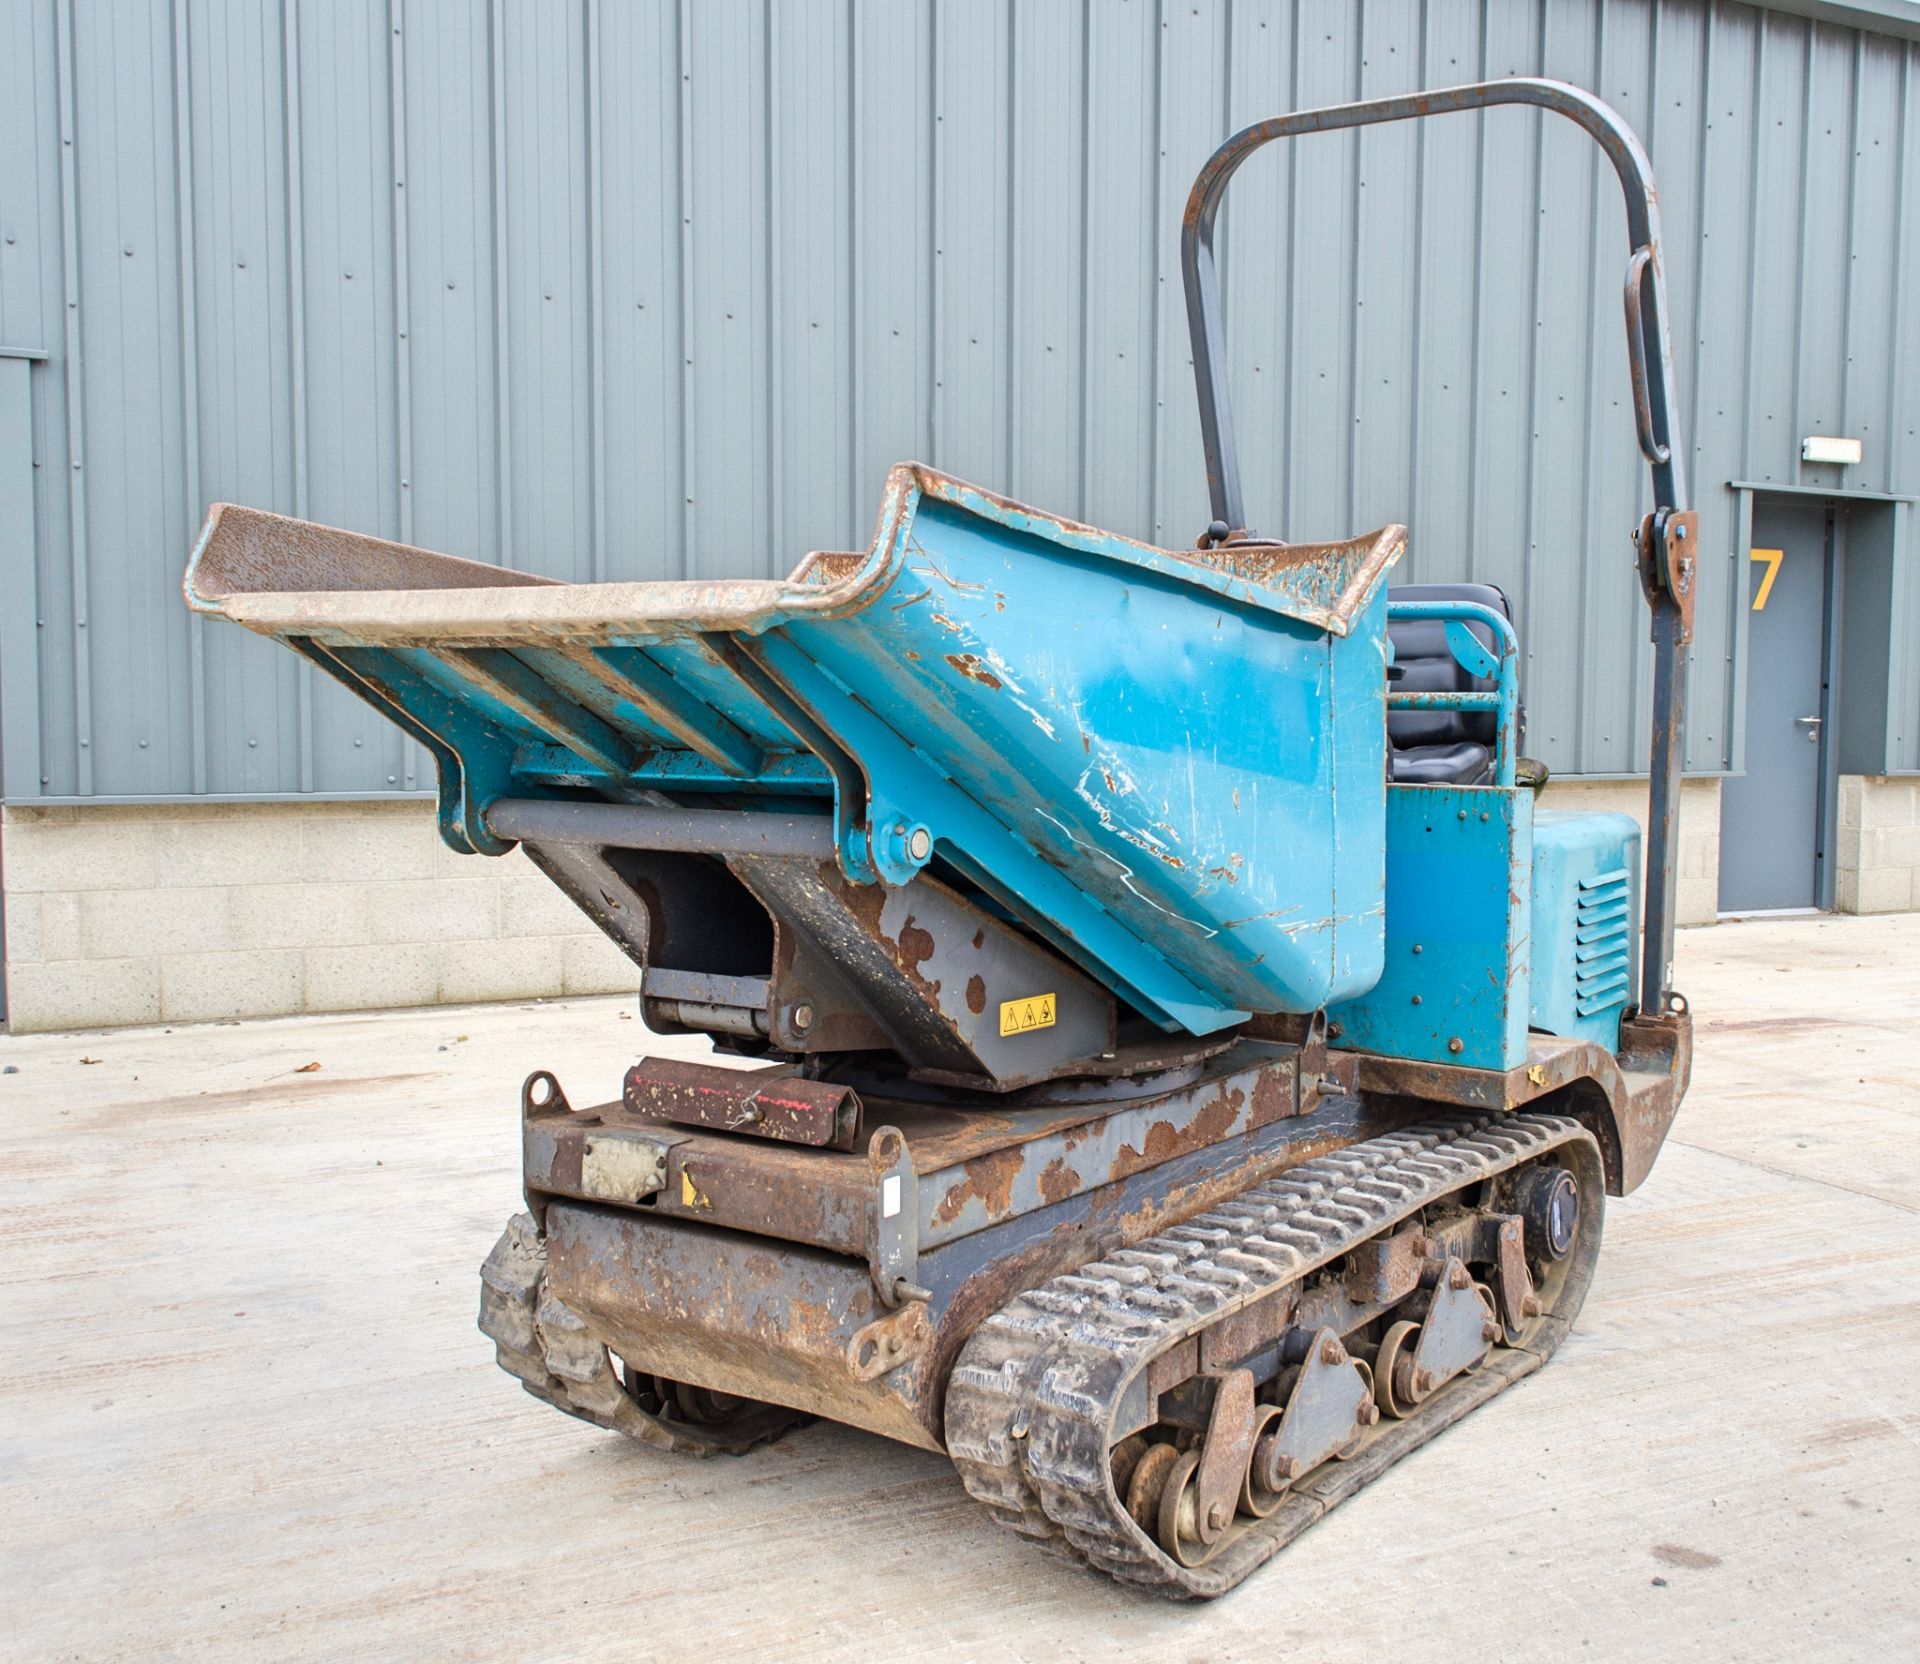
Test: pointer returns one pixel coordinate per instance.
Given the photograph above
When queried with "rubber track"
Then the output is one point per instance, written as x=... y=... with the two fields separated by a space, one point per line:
x=1034 y=1397
x=545 y=1343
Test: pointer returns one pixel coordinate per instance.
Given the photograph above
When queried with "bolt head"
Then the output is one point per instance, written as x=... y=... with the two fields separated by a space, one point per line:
x=1369 y=1412
x=1458 y=1278
x=1217 y=1517
x=919 y=843
x=803 y=1017
x=1423 y=1380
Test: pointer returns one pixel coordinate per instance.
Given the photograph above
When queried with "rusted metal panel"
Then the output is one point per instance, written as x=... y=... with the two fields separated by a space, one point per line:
x=971 y=1167
x=777 y=1104
x=1629 y=1102
x=734 y=1313
x=1061 y=1162
x=781 y=1320
x=1552 y=1063
x=932 y=968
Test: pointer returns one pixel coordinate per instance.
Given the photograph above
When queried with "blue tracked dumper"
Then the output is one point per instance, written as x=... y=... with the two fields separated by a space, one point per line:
x=1164 y=1058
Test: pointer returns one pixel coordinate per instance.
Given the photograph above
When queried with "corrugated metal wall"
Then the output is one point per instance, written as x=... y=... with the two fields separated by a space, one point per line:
x=638 y=290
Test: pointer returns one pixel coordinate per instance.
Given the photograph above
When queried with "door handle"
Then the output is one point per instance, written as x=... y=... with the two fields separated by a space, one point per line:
x=1812 y=726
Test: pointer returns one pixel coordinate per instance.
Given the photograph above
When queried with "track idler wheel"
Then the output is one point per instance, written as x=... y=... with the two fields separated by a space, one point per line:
x=1393 y=1389
x=1146 y=1481
x=1328 y=1408
x=1202 y=1489
x=1416 y=1360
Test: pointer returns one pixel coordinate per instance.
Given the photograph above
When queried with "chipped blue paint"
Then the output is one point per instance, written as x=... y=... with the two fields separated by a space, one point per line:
x=1459 y=881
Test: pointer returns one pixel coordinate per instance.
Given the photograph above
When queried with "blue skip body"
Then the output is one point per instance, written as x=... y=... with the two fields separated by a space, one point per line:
x=1169 y=764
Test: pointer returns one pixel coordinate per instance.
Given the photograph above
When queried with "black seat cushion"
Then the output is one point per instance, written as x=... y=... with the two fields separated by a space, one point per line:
x=1439 y=748
x=1462 y=763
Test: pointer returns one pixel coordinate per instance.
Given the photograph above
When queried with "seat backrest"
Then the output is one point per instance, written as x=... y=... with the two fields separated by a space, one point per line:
x=1428 y=666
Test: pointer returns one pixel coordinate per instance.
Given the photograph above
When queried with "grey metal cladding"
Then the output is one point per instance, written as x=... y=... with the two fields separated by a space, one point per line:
x=652 y=289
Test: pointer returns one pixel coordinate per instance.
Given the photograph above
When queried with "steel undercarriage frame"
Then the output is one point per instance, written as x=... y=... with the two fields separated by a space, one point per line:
x=765 y=1269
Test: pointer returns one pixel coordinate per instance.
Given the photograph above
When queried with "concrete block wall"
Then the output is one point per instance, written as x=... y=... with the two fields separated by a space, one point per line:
x=1877 y=852
x=199 y=912
x=1697 y=890
x=202 y=912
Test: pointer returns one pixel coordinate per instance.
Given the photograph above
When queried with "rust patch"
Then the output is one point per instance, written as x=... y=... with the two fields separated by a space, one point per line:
x=979 y=938
x=1057 y=1180
x=916 y=948
x=976 y=994
x=990 y=1178
x=1164 y=1141
x=1273 y=1099
x=974 y=668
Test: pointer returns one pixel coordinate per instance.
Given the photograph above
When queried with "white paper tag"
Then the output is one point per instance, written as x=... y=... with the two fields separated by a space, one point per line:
x=889 y=1195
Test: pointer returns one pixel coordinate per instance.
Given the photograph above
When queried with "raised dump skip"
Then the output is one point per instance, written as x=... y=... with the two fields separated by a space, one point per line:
x=1168 y=764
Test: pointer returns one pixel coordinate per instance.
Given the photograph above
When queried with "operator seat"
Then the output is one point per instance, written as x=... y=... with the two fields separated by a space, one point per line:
x=1440 y=748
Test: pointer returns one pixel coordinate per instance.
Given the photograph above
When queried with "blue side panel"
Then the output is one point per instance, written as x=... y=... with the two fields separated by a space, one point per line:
x=1586 y=922
x=1454 y=989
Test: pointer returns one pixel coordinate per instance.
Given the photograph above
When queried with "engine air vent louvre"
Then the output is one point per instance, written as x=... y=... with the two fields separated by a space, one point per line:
x=1602 y=946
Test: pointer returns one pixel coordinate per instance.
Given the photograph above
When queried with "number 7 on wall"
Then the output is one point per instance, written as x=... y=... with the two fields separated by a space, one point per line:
x=1772 y=557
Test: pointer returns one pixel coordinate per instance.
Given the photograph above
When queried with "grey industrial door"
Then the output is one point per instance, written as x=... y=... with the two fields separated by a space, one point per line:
x=1773 y=819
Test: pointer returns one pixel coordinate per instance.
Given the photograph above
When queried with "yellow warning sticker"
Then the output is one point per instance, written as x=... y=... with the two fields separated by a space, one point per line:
x=1018 y=1016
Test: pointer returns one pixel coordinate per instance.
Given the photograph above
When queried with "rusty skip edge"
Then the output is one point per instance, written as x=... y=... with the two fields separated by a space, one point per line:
x=281 y=576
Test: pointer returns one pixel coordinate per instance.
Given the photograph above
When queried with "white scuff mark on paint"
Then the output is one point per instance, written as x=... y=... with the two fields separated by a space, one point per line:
x=1120 y=783
x=1015 y=689
x=1127 y=876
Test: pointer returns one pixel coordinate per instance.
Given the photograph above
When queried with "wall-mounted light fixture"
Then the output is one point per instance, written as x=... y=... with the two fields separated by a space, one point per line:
x=1820 y=447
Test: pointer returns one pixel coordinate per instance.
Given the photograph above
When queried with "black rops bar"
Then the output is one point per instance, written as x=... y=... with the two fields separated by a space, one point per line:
x=1667 y=562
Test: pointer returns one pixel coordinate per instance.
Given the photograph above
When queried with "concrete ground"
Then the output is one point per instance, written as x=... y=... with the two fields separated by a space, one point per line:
x=244 y=1411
